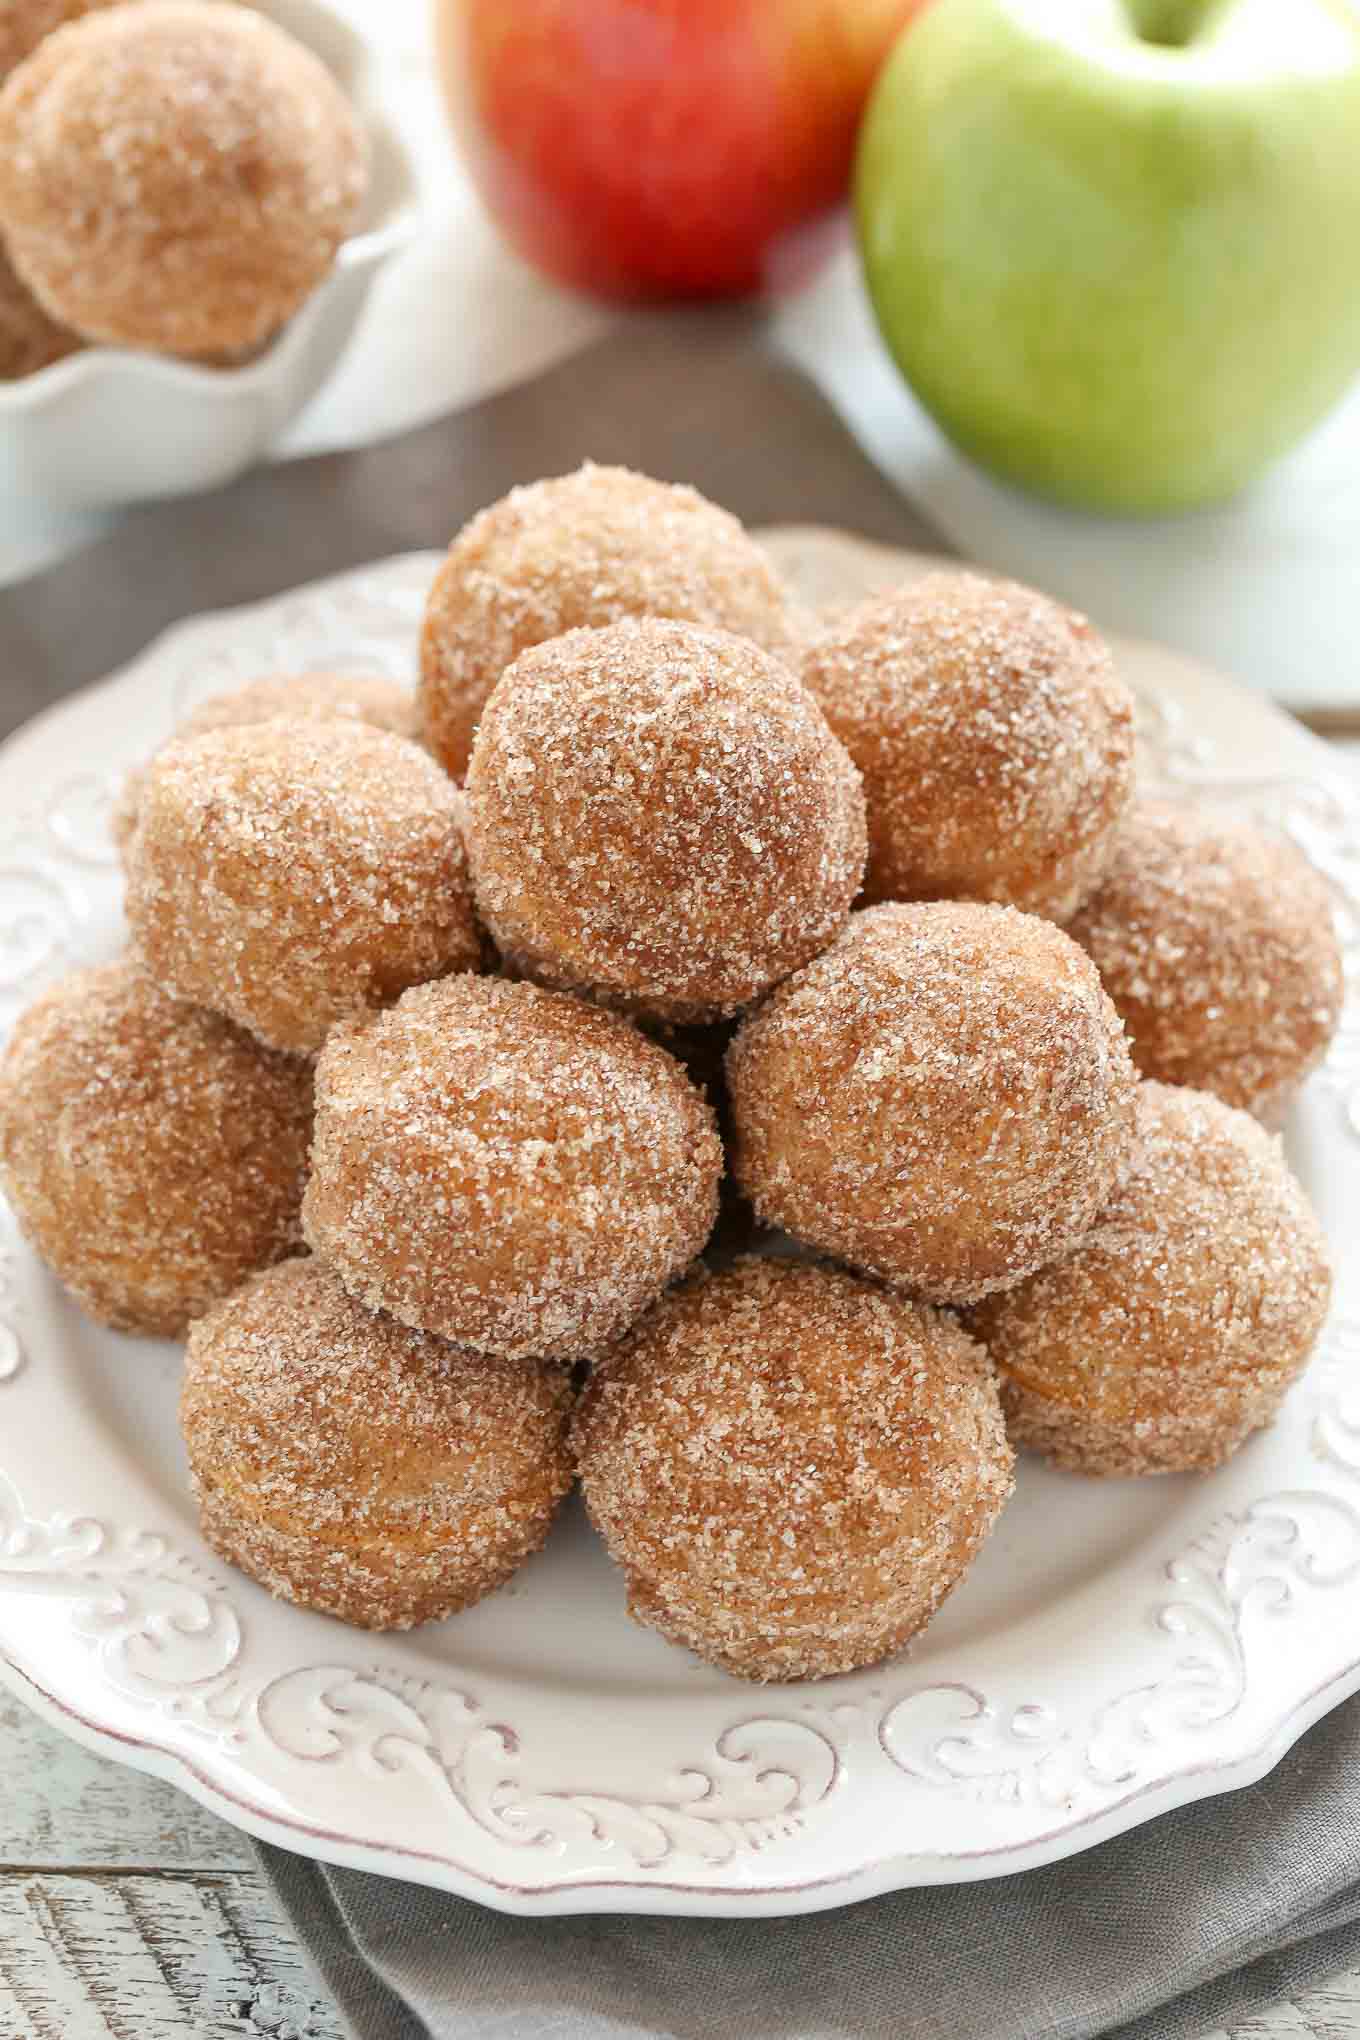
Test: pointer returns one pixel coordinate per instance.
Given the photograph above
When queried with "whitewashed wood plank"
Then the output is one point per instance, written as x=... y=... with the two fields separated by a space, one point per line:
x=1281 y=2022
x=187 y=1957
x=1332 y=2012
x=61 y=1807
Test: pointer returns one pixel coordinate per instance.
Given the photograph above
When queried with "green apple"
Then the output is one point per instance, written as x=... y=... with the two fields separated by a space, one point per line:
x=1115 y=249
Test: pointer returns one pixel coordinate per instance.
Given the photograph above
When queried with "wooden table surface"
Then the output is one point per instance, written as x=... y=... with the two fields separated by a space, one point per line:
x=129 y=1913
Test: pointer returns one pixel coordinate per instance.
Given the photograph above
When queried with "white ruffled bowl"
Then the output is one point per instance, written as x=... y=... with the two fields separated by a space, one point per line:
x=108 y=426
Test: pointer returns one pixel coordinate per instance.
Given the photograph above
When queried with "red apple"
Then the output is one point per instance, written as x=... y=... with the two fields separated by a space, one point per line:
x=664 y=148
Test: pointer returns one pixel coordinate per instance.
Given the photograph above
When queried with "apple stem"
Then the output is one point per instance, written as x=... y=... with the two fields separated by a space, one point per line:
x=1173 y=23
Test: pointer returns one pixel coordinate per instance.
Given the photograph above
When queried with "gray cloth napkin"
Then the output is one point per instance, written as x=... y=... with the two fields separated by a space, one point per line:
x=1188 y=1922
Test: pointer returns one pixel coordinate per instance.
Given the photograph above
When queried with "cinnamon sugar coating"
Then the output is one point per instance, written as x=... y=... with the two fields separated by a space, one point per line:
x=353 y=1465
x=995 y=740
x=153 y=1154
x=318 y=696
x=944 y=1099
x=793 y=1466
x=509 y=1167
x=25 y=23
x=294 y=873
x=29 y=339
x=1218 y=946
x=322 y=697
x=583 y=549
x=659 y=816
x=176 y=175
x=1174 y=1329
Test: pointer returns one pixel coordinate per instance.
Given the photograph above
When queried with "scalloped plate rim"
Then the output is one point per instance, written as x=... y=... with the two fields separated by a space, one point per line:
x=876 y=1879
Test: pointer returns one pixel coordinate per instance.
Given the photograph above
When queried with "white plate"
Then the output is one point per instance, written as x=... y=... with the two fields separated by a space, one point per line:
x=1120 y=1648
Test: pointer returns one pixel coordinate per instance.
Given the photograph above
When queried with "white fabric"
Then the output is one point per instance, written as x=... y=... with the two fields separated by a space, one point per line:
x=1262 y=589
